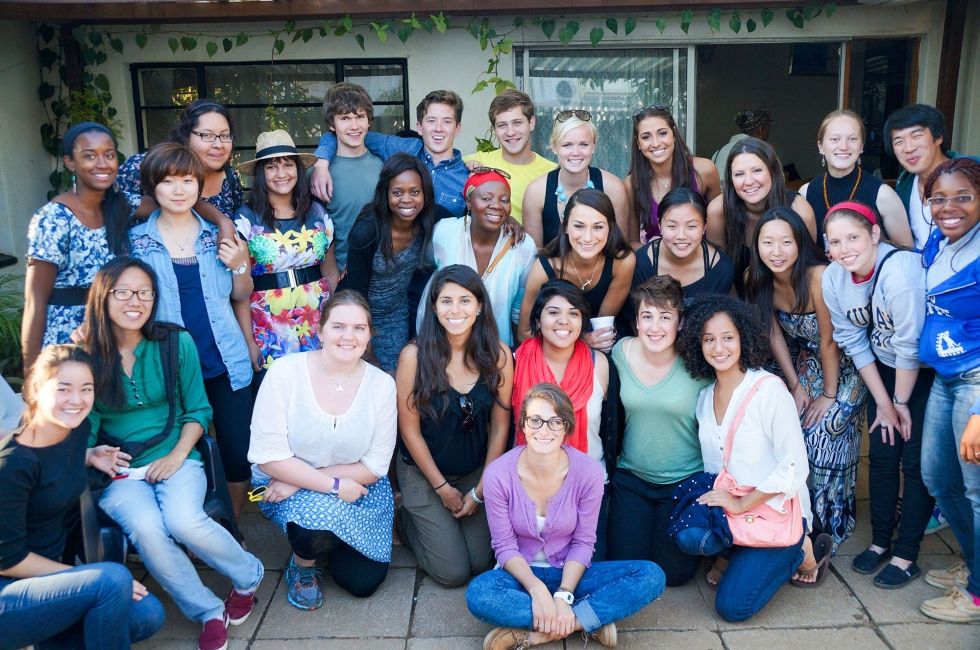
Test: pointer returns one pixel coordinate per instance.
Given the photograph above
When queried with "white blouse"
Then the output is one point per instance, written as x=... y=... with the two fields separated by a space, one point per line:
x=768 y=452
x=287 y=420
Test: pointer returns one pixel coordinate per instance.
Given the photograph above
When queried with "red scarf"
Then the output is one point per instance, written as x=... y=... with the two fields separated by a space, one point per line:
x=530 y=368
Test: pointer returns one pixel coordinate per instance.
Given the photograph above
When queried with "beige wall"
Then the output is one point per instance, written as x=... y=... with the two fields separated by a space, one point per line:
x=24 y=165
x=966 y=125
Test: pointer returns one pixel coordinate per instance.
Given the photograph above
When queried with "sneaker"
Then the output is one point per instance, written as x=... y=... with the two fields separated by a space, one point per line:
x=954 y=576
x=507 y=638
x=957 y=606
x=937 y=522
x=605 y=635
x=238 y=606
x=214 y=636
x=304 y=586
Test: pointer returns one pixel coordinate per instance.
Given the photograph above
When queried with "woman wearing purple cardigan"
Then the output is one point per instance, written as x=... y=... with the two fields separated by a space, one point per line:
x=542 y=503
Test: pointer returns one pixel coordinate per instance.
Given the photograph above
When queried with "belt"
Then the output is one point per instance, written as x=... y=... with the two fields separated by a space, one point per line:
x=285 y=279
x=68 y=296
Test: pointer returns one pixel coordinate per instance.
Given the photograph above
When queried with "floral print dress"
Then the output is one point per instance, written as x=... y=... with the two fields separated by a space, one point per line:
x=227 y=201
x=285 y=320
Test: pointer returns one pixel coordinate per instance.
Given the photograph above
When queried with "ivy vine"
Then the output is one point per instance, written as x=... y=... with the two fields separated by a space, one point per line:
x=94 y=100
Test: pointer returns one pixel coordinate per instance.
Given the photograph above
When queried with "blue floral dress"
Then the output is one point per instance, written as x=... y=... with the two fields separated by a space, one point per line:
x=286 y=320
x=55 y=235
x=228 y=200
x=833 y=444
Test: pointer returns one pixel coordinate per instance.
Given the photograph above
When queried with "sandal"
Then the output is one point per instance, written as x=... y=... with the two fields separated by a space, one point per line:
x=714 y=574
x=822 y=548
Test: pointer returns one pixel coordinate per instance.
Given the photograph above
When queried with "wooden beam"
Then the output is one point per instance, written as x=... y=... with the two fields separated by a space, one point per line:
x=949 y=59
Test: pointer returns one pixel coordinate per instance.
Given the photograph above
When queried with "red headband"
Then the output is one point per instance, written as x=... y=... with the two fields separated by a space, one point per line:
x=860 y=208
x=478 y=179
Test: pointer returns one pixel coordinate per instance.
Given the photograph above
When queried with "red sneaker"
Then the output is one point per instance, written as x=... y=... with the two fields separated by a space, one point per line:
x=214 y=636
x=238 y=606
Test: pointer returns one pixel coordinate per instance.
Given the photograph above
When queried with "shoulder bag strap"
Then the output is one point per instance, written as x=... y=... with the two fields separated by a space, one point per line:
x=503 y=251
x=739 y=414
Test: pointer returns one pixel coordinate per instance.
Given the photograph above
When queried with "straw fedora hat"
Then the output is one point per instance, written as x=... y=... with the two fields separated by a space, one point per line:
x=274 y=144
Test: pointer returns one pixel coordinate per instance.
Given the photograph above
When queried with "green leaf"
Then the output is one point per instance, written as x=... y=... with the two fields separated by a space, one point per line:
x=95 y=39
x=101 y=82
x=116 y=44
x=441 y=22
x=241 y=39
x=46 y=31
x=100 y=58
x=227 y=44
x=188 y=43
x=173 y=43
x=686 y=17
x=141 y=39
x=596 y=35
x=630 y=25
x=278 y=46
x=307 y=34
x=360 y=40
x=661 y=24
x=547 y=28
x=289 y=26
x=767 y=16
x=484 y=145
x=211 y=48
x=735 y=22
x=714 y=19
x=47 y=58
x=45 y=91
x=404 y=33
x=297 y=36
x=347 y=23
x=519 y=21
x=505 y=45
x=612 y=25
x=502 y=85
x=568 y=32
x=750 y=25
x=55 y=178
x=480 y=85
x=809 y=13
x=381 y=31
x=795 y=17
x=829 y=9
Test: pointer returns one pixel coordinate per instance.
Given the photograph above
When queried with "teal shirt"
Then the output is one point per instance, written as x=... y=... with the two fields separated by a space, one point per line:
x=145 y=411
x=660 y=441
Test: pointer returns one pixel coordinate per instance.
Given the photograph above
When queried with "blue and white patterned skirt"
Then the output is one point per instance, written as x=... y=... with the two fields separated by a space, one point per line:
x=365 y=524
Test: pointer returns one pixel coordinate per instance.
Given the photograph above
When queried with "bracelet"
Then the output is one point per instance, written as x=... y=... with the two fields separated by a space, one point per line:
x=477 y=500
x=828 y=396
x=898 y=402
x=441 y=484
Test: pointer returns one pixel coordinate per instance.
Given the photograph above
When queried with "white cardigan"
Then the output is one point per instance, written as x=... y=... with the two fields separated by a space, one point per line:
x=287 y=420
x=768 y=452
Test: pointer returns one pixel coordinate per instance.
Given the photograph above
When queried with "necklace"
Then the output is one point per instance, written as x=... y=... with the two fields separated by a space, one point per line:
x=585 y=283
x=169 y=232
x=563 y=197
x=850 y=197
x=339 y=385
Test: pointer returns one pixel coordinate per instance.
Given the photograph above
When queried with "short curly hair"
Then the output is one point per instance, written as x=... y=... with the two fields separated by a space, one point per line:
x=753 y=340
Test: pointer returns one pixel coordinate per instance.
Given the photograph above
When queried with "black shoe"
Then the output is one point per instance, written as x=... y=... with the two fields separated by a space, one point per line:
x=869 y=561
x=891 y=577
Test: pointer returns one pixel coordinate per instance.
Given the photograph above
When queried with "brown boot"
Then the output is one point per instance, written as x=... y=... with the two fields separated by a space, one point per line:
x=507 y=638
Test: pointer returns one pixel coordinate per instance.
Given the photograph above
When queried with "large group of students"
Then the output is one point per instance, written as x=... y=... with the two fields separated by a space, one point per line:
x=562 y=388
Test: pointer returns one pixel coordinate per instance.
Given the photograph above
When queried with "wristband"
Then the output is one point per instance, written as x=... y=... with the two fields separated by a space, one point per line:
x=828 y=396
x=898 y=402
x=441 y=484
x=336 y=486
x=477 y=500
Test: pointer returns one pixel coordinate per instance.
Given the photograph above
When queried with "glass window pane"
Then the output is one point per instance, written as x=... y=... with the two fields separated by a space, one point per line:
x=281 y=83
x=383 y=82
x=610 y=84
x=157 y=123
x=304 y=124
x=167 y=86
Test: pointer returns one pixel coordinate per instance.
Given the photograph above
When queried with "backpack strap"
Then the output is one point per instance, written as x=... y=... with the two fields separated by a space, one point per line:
x=739 y=415
x=871 y=296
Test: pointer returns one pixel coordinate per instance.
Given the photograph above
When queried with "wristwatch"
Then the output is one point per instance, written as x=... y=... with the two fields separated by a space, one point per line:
x=241 y=270
x=336 y=487
x=565 y=595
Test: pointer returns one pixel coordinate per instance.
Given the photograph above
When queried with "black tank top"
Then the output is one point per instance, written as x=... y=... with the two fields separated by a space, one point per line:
x=595 y=295
x=550 y=219
x=839 y=189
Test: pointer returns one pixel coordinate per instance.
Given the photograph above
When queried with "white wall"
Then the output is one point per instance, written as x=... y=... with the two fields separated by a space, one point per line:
x=24 y=165
x=966 y=125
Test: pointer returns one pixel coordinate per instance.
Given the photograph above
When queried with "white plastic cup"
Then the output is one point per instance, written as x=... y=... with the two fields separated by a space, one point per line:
x=602 y=321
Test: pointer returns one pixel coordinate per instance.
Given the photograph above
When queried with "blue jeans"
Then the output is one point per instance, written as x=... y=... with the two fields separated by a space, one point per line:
x=954 y=483
x=753 y=577
x=158 y=516
x=81 y=607
x=607 y=592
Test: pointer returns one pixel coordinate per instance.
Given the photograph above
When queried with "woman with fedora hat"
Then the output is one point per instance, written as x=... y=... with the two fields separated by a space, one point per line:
x=290 y=239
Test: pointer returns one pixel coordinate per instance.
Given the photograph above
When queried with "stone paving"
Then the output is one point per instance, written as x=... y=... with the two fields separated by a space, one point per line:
x=411 y=612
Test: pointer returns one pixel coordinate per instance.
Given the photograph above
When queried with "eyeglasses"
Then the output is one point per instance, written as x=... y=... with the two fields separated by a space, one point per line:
x=255 y=494
x=652 y=107
x=122 y=295
x=211 y=137
x=480 y=169
x=466 y=406
x=534 y=422
x=959 y=199
x=562 y=116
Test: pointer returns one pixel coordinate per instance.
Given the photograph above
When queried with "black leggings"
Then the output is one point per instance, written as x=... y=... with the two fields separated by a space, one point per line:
x=232 y=425
x=358 y=575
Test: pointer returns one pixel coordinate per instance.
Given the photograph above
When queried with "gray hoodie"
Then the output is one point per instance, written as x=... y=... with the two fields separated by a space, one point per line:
x=898 y=304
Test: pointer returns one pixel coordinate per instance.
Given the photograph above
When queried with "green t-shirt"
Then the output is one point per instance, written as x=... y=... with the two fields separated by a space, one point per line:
x=660 y=442
x=354 y=180
x=146 y=409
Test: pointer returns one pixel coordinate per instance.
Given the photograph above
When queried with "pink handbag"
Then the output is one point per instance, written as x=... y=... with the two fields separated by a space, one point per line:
x=763 y=525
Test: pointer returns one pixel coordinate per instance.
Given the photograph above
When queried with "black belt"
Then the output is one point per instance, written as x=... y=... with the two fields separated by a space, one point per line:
x=68 y=296
x=290 y=278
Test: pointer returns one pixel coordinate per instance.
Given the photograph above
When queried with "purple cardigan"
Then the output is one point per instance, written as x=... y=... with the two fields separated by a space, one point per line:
x=570 y=523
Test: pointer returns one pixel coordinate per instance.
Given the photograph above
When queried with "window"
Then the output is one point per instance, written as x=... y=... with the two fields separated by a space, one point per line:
x=610 y=84
x=263 y=96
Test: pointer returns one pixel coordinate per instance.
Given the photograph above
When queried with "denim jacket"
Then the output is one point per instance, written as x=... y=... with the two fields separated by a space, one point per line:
x=147 y=245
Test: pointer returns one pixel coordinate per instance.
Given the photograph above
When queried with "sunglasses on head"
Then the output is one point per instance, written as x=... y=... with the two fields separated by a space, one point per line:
x=562 y=116
x=486 y=170
x=652 y=107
